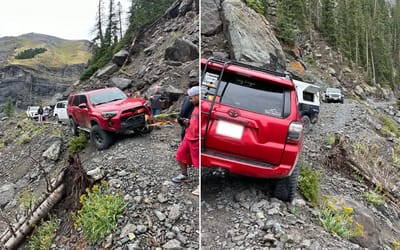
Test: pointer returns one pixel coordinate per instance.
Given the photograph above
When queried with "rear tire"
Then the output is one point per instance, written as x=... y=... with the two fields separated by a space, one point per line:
x=307 y=124
x=100 y=138
x=74 y=127
x=285 y=189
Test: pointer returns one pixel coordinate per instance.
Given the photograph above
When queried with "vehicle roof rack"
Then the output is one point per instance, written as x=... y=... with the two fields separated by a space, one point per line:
x=285 y=74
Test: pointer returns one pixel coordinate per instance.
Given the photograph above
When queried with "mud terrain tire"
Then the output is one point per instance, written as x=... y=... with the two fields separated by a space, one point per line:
x=285 y=189
x=101 y=139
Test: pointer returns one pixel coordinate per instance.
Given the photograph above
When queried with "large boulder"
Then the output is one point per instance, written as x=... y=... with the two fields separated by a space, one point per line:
x=211 y=22
x=106 y=70
x=122 y=83
x=185 y=6
x=120 y=57
x=7 y=192
x=182 y=50
x=53 y=152
x=251 y=37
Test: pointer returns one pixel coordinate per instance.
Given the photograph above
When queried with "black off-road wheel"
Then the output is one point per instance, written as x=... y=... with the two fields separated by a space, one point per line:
x=307 y=124
x=74 y=127
x=285 y=189
x=101 y=139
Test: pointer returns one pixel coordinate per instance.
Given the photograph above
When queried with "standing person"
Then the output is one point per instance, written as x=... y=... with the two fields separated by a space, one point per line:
x=40 y=114
x=137 y=94
x=188 y=152
x=186 y=110
x=156 y=101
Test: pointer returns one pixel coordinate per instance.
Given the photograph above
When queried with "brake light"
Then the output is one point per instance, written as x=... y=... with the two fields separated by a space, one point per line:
x=295 y=133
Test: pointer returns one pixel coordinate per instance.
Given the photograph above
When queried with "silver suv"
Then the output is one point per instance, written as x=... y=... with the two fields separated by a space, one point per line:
x=333 y=95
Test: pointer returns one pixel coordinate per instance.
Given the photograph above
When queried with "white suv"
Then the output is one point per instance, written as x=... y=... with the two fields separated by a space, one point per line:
x=32 y=112
x=60 y=111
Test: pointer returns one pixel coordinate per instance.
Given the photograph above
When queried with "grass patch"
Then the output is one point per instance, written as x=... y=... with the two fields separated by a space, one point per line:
x=25 y=131
x=256 y=5
x=43 y=236
x=389 y=126
x=100 y=209
x=27 y=199
x=309 y=183
x=337 y=219
x=374 y=198
x=330 y=140
x=77 y=143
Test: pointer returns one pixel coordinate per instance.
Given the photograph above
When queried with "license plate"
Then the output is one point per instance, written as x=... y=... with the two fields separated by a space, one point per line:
x=229 y=129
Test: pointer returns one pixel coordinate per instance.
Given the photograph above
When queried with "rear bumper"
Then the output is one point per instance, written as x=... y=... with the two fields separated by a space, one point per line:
x=247 y=168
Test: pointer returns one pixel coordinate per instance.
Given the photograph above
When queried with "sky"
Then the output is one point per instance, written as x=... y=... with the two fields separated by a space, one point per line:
x=67 y=19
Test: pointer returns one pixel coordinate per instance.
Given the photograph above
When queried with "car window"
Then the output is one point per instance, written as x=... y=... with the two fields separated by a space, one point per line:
x=79 y=99
x=61 y=105
x=246 y=93
x=307 y=96
x=110 y=95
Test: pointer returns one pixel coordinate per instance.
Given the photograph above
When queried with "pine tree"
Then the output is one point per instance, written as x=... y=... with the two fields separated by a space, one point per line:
x=9 y=109
x=328 y=21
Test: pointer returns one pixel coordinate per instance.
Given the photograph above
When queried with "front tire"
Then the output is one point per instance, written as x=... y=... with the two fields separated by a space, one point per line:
x=285 y=189
x=100 y=138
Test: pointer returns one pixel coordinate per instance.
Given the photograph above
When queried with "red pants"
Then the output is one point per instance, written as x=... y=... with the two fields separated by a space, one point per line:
x=188 y=153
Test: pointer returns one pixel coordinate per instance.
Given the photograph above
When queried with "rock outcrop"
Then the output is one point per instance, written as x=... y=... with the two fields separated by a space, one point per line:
x=249 y=36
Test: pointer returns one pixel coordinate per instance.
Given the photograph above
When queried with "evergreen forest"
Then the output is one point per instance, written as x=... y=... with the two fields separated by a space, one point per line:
x=365 y=32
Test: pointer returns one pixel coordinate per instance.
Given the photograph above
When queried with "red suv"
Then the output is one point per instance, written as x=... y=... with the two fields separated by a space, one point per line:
x=104 y=112
x=250 y=123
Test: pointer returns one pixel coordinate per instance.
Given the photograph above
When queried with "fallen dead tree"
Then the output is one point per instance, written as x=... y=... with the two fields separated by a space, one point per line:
x=69 y=184
x=343 y=158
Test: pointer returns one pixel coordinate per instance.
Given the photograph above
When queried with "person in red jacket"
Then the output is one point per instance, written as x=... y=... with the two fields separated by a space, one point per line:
x=188 y=152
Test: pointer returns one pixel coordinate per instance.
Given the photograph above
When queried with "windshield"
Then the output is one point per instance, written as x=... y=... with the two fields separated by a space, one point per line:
x=332 y=90
x=107 y=96
x=246 y=93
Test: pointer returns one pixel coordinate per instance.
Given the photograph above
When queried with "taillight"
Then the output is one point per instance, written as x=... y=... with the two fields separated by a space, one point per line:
x=295 y=132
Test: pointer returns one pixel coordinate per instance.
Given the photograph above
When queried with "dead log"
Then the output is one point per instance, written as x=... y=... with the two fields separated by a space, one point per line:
x=41 y=212
x=6 y=235
x=70 y=183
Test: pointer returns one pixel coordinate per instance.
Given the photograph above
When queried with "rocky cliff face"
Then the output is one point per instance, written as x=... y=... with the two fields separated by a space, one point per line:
x=30 y=81
x=164 y=53
x=27 y=86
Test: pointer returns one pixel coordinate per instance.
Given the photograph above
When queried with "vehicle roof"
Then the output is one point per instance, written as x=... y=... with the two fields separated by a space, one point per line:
x=306 y=86
x=65 y=101
x=250 y=72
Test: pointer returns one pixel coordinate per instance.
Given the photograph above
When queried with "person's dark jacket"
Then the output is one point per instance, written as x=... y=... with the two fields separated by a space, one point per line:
x=186 y=111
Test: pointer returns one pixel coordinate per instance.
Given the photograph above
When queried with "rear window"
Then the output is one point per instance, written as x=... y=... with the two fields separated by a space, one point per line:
x=307 y=96
x=247 y=94
x=60 y=105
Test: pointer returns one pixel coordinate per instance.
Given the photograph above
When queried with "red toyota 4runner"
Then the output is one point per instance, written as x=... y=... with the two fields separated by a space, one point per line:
x=250 y=123
x=104 y=112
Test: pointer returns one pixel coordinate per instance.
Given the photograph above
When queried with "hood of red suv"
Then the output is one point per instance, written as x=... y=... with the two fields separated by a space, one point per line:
x=123 y=104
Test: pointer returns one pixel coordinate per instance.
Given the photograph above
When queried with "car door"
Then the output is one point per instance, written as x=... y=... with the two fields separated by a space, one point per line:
x=82 y=114
x=62 y=111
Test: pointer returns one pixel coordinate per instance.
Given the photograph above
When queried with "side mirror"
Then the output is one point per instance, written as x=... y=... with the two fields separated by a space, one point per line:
x=129 y=94
x=82 y=106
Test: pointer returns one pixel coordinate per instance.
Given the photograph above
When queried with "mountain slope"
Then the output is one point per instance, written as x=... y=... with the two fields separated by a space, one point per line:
x=39 y=79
